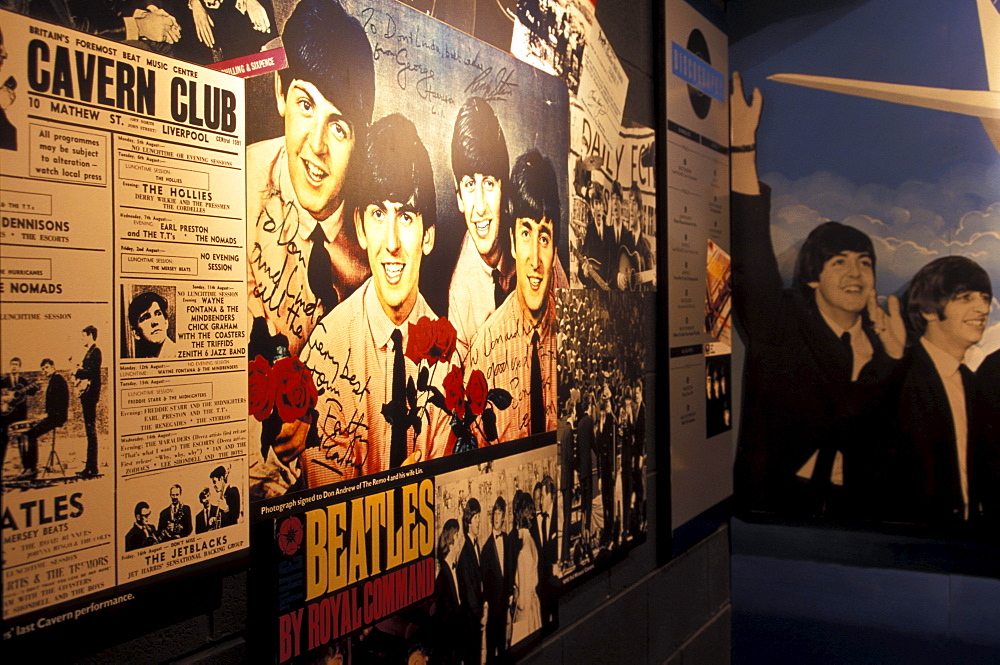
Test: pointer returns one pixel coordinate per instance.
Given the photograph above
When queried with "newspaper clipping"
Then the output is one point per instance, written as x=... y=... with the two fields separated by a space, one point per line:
x=123 y=316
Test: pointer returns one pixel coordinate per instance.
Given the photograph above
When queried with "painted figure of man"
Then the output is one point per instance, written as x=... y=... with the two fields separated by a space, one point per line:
x=820 y=355
x=520 y=337
x=484 y=274
x=357 y=354
x=937 y=467
x=303 y=258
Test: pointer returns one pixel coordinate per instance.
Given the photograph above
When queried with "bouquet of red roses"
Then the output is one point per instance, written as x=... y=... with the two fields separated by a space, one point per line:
x=284 y=390
x=470 y=404
x=287 y=387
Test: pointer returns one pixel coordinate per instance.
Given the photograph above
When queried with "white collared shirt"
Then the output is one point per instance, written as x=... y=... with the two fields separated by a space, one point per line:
x=948 y=369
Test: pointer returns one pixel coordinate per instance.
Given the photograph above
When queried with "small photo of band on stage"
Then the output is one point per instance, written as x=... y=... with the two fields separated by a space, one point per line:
x=218 y=506
x=53 y=419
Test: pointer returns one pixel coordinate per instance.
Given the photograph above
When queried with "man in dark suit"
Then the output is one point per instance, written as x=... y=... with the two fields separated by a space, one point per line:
x=229 y=509
x=935 y=456
x=604 y=443
x=592 y=271
x=56 y=410
x=175 y=519
x=447 y=609
x=208 y=517
x=626 y=445
x=142 y=534
x=88 y=379
x=820 y=356
x=635 y=508
x=987 y=472
x=585 y=462
x=15 y=404
x=566 y=436
x=498 y=578
x=603 y=241
x=470 y=583
x=545 y=531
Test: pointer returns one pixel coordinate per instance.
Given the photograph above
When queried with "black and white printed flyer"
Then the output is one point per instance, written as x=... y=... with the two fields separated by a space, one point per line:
x=122 y=319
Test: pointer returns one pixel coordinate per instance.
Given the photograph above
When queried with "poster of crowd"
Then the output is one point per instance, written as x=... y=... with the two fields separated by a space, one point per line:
x=552 y=35
x=870 y=315
x=123 y=317
x=605 y=364
x=407 y=236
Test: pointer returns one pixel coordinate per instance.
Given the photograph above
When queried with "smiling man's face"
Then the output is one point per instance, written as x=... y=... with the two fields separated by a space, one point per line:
x=394 y=236
x=845 y=284
x=319 y=142
x=963 y=323
x=479 y=198
x=533 y=247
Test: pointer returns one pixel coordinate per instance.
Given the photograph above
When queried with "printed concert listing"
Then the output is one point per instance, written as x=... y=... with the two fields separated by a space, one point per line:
x=123 y=298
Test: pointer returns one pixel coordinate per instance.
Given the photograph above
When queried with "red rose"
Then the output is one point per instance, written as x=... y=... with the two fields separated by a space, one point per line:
x=294 y=392
x=454 y=392
x=446 y=338
x=476 y=391
x=419 y=339
x=261 y=392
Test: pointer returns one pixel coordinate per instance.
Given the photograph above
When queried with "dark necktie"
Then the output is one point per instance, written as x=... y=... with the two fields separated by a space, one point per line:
x=498 y=291
x=537 y=398
x=845 y=339
x=320 y=271
x=397 y=447
x=827 y=455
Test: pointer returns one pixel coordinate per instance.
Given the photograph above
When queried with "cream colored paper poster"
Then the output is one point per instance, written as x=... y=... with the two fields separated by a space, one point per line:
x=122 y=317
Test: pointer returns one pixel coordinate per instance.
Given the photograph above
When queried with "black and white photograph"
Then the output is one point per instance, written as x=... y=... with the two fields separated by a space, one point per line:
x=718 y=394
x=149 y=328
x=605 y=358
x=200 y=31
x=173 y=514
x=54 y=421
x=500 y=531
x=8 y=95
x=613 y=225
x=552 y=35
x=491 y=21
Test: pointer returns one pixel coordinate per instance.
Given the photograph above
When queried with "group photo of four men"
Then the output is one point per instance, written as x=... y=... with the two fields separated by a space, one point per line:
x=344 y=212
